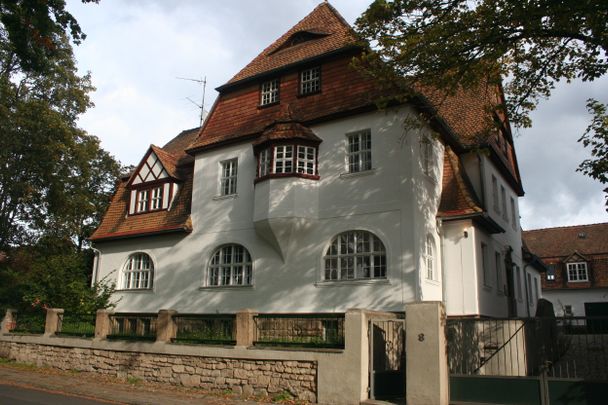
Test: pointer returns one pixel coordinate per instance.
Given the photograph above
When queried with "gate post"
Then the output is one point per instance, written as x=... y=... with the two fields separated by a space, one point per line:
x=427 y=375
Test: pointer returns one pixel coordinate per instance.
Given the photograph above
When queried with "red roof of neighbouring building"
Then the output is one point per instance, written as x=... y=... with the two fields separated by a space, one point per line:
x=565 y=240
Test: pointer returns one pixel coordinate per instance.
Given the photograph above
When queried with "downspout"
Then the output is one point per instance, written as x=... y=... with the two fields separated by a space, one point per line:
x=96 y=263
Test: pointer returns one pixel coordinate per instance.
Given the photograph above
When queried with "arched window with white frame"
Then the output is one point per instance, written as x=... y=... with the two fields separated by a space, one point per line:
x=138 y=272
x=355 y=255
x=230 y=265
x=429 y=258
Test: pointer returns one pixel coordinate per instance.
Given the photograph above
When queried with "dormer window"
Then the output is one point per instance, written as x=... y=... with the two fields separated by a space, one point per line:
x=269 y=92
x=577 y=272
x=154 y=183
x=310 y=81
x=149 y=199
x=288 y=160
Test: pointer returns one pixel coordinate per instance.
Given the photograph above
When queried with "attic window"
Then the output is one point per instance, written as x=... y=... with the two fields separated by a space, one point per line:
x=582 y=235
x=300 y=37
x=269 y=93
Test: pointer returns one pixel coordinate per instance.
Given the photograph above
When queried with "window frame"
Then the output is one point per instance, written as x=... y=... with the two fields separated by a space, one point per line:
x=495 y=202
x=271 y=151
x=485 y=266
x=363 y=164
x=377 y=264
x=503 y=201
x=302 y=82
x=231 y=179
x=500 y=287
x=127 y=273
x=577 y=279
x=272 y=93
x=214 y=279
x=149 y=190
x=429 y=259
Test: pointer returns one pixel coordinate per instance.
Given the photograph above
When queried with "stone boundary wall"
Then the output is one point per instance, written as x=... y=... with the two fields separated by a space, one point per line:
x=242 y=376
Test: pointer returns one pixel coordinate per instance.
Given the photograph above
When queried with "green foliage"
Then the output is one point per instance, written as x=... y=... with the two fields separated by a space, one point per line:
x=596 y=138
x=34 y=30
x=52 y=274
x=449 y=44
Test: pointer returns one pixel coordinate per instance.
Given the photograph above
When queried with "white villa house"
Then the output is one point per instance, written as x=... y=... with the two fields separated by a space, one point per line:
x=300 y=195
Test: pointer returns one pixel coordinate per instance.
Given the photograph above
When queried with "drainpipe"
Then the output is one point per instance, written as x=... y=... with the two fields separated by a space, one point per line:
x=96 y=263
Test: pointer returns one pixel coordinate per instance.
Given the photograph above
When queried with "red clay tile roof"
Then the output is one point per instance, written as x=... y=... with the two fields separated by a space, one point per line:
x=117 y=224
x=563 y=241
x=330 y=32
x=457 y=196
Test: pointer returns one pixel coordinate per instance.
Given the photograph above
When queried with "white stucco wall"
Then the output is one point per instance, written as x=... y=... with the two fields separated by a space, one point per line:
x=287 y=225
x=575 y=298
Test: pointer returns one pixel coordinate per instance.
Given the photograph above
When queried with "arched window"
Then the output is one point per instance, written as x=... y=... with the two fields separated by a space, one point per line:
x=230 y=266
x=355 y=255
x=429 y=257
x=138 y=272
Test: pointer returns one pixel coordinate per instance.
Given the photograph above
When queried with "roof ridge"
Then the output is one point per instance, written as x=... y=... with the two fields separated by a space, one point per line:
x=566 y=226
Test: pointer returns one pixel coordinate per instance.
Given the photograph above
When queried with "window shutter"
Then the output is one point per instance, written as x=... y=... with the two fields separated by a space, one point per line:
x=132 y=201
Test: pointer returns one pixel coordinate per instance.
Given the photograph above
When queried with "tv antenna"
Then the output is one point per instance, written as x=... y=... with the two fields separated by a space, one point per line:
x=201 y=106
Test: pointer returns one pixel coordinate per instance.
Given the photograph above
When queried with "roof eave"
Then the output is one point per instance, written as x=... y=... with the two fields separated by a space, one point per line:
x=138 y=234
x=479 y=218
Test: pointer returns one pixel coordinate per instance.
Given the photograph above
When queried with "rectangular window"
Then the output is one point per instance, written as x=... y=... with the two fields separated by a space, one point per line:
x=577 y=272
x=359 y=151
x=518 y=275
x=529 y=289
x=283 y=159
x=228 y=177
x=270 y=92
x=499 y=282
x=495 y=194
x=513 y=215
x=310 y=81
x=142 y=200
x=484 y=264
x=156 y=202
x=427 y=157
x=550 y=272
x=536 y=291
x=264 y=168
x=306 y=159
x=503 y=199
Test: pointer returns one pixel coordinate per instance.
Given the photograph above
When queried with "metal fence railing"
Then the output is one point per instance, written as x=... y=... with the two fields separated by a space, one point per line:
x=299 y=330
x=205 y=329
x=133 y=326
x=82 y=325
x=29 y=322
x=571 y=347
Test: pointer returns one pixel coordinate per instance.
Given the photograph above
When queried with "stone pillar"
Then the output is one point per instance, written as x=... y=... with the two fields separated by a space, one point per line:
x=8 y=322
x=102 y=324
x=427 y=363
x=245 y=326
x=166 y=328
x=53 y=321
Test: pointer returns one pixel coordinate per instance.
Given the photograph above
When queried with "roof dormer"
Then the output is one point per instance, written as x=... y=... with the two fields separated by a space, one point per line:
x=153 y=183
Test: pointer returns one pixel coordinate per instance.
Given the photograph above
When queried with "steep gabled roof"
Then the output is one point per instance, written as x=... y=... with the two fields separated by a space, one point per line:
x=564 y=241
x=322 y=31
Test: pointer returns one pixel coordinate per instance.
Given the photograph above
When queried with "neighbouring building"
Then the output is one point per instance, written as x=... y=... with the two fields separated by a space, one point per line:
x=299 y=195
x=576 y=281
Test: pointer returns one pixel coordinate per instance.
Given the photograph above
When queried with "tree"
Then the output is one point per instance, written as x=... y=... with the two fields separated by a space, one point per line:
x=450 y=44
x=596 y=137
x=34 y=30
x=54 y=177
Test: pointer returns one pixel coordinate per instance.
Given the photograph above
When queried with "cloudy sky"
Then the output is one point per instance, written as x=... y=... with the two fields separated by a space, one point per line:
x=137 y=49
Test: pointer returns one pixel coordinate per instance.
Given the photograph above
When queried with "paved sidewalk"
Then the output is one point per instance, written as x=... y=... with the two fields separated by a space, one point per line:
x=108 y=389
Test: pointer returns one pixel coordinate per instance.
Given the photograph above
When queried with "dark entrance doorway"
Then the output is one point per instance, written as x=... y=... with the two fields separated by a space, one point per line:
x=386 y=358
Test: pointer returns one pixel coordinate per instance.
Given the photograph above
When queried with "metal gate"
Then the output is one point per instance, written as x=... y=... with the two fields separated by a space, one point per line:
x=386 y=358
x=528 y=361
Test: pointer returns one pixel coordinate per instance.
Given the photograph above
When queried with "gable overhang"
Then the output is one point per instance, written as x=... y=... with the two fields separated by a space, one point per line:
x=141 y=233
x=140 y=166
x=480 y=219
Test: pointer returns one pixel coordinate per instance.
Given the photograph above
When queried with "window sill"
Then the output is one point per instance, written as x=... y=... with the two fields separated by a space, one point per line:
x=136 y=290
x=578 y=281
x=358 y=174
x=431 y=281
x=225 y=197
x=359 y=282
x=287 y=175
x=226 y=287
